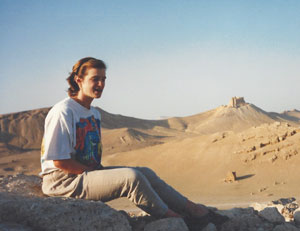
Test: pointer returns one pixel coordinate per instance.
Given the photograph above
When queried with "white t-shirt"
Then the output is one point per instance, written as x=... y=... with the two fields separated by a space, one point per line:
x=71 y=131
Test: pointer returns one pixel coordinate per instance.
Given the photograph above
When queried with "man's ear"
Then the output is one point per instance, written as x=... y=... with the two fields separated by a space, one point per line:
x=78 y=80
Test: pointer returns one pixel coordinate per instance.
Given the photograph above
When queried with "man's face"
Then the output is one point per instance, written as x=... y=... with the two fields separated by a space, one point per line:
x=93 y=83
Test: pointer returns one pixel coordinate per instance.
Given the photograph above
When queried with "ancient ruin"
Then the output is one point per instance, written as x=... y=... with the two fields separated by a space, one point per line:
x=236 y=102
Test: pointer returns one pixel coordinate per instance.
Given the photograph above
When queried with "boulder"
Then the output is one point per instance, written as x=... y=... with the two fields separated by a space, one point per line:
x=55 y=213
x=284 y=201
x=285 y=206
x=297 y=216
x=14 y=227
x=167 y=224
x=236 y=212
x=21 y=184
x=210 y=227
x=288 y=211
x=258 y=206
x=286 y=227
x=247 y=222
x=271 y=214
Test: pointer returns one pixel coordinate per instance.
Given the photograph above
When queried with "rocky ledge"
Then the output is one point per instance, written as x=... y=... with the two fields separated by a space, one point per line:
x=23 y=207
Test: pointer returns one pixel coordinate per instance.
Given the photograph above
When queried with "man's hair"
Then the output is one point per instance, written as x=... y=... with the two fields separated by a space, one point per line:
x=79 y=69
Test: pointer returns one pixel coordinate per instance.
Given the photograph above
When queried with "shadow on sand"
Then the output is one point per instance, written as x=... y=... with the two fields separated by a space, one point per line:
x=244 y=177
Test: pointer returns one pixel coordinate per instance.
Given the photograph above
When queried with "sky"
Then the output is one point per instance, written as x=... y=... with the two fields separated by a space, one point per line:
x=164 y=57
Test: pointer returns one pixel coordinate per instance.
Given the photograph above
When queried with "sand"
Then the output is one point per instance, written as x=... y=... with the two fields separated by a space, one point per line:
x=193 y=154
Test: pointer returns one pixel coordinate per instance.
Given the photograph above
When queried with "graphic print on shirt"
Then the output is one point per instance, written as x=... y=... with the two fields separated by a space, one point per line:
x=88 y=141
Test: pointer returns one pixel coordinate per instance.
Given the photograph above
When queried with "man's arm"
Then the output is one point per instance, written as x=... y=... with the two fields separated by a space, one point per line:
x=71 y=166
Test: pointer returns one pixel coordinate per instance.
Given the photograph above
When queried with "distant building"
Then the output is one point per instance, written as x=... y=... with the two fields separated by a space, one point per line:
x=236 y=102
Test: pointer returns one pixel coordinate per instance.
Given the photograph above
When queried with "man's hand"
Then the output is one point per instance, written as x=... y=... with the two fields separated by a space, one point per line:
x=71 y=166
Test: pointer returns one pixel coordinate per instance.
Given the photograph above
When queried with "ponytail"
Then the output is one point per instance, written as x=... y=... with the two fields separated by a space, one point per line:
x=79 y=69
x=74 y=88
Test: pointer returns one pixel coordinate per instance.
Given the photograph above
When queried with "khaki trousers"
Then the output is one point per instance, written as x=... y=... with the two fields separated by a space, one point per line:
x=140 y=185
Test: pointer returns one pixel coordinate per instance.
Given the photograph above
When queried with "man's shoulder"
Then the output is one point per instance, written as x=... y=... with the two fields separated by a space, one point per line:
x=62 y=107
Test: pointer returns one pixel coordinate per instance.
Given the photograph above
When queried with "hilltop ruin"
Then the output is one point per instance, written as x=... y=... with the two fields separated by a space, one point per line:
x=236 y=102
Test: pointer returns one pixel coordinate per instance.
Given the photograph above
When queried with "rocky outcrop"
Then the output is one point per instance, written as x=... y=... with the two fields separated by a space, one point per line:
x=53 y=213
x=284 y=209
x=24 y=208
x=167 y=224
x=296 y=216
x=285 y=227
x=272 y=215
x=21 y=184
x=279 y=144
x=22 y=202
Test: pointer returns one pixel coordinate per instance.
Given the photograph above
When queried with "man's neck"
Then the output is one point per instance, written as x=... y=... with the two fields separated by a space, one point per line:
x=83 y=101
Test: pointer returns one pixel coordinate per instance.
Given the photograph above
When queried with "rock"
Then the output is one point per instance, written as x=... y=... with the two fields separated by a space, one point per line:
x=14 y=227
x=271 y=214
x=22 y=185
x=262 y=189
x=230 y=177
x=210 y=227
x=195 y=224
x=258 y=207
x=236 y=212
x=285 y=206
x=251 y=149
x=139 y=221
x=284 y=201
x=288 y=211
x=167 y=224
x=54 y=213
x=285 y=227
x=246 y=220
x=273 y=158
x=297 y=217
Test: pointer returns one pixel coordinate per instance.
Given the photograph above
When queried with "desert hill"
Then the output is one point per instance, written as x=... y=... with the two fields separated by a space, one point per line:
x=192 y=153
x=23 y=131
x=294 y=114
x=236 y=116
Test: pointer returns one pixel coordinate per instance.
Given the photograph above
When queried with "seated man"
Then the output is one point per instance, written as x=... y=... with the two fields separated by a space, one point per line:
x=71 y=154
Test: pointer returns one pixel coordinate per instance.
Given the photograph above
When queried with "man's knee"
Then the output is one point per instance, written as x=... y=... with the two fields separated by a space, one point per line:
x=148 y=172
x=133 y=174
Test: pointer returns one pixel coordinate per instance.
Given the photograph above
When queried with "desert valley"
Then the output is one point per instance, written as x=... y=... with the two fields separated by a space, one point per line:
x=194 y=154
x=230 y=156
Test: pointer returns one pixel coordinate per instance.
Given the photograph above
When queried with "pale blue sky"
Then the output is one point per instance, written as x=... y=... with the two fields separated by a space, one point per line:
x=165 y=58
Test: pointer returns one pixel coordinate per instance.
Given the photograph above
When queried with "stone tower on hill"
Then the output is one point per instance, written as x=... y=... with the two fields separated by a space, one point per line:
x=236 y=102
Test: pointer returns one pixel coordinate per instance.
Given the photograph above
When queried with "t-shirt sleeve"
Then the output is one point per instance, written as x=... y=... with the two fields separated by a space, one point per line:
x=57 y=143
